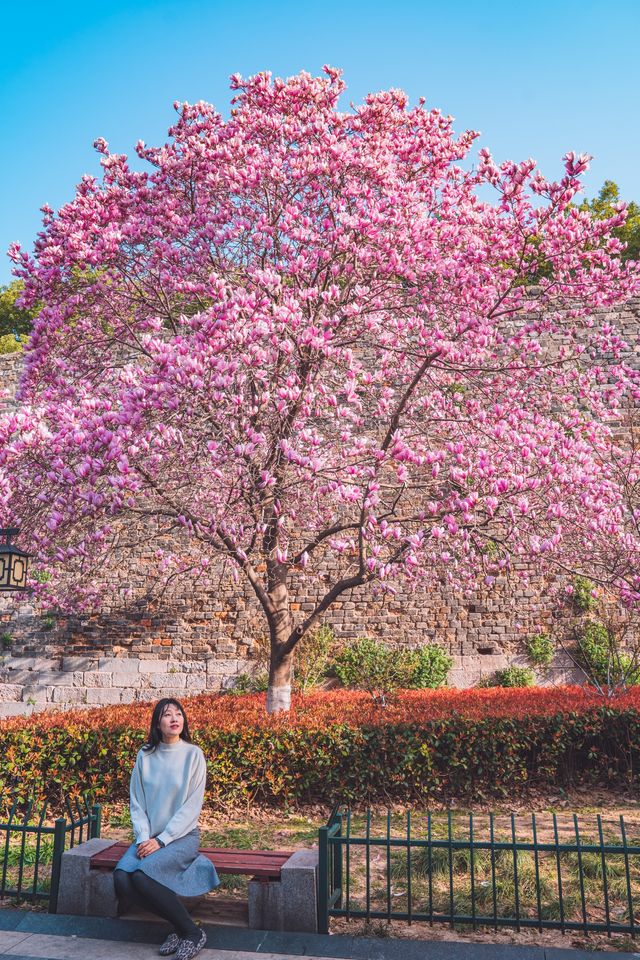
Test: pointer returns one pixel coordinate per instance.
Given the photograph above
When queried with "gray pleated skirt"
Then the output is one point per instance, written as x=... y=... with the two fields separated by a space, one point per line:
x=178 y=866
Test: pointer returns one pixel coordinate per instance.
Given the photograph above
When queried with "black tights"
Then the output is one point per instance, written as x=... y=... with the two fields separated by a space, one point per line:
x=157 y=898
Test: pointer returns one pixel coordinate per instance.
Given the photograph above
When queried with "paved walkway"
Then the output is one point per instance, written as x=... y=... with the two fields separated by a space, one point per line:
x=27 y=936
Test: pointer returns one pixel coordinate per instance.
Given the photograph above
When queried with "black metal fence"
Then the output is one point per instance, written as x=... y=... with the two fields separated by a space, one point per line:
x=540 y=871
x=31 y=848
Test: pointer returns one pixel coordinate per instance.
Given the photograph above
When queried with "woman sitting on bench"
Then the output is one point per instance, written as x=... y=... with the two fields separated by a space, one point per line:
x=167 y=790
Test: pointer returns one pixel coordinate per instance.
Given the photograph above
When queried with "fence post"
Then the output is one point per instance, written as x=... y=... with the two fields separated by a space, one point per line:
x=59 y=839
x=95 y=821
x=337 y=861
x=323 y=880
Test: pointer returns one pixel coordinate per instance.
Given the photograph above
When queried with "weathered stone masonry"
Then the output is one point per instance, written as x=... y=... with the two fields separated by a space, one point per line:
x=200 y=639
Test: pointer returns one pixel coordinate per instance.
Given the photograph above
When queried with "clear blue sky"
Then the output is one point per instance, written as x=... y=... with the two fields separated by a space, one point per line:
x=537 y=79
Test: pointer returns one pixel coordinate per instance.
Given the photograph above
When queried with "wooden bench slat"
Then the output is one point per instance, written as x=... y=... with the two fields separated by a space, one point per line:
x=119 y=846
x=258 y=863
x=113 y=853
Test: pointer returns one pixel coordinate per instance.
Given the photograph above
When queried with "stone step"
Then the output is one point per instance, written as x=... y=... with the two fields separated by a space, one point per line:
x=223 y=911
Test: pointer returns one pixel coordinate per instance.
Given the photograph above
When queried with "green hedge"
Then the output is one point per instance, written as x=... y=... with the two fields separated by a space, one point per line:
x=285 y=765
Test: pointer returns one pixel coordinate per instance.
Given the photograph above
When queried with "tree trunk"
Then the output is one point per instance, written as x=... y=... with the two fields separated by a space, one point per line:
x=280 y=666
x=279 y=690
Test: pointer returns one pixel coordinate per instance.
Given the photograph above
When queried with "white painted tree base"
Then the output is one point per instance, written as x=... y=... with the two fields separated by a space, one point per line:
x=278 y=699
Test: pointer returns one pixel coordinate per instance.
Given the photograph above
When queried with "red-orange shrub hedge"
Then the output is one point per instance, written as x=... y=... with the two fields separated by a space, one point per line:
x=472 y=744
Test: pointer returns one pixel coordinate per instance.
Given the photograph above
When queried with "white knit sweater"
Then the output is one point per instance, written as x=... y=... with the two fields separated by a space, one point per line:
x=167 y=790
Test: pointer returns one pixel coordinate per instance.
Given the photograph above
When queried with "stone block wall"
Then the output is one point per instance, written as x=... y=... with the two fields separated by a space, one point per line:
x=108 y=659
x=32 y=684
x=37 y=683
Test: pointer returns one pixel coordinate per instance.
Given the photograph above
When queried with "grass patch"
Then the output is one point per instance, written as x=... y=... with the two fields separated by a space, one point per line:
x=15 y=853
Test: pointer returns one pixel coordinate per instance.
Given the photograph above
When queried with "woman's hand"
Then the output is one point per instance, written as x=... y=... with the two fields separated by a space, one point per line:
x=147 y=847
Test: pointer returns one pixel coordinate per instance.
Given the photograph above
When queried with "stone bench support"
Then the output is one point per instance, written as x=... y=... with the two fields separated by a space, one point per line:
x=290 y=903
x=82 y=891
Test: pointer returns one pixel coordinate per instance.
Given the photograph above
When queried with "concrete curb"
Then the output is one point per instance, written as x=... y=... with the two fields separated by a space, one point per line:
x=292 y=944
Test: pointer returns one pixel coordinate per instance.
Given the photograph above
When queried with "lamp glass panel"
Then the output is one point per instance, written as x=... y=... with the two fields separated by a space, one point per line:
x=13 y=569
x=19 y=572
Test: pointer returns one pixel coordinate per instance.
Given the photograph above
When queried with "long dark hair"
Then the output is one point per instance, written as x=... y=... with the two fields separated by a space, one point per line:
x=155 y=737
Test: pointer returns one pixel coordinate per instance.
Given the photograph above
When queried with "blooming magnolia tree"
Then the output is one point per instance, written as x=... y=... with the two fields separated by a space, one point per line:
x=307 y=340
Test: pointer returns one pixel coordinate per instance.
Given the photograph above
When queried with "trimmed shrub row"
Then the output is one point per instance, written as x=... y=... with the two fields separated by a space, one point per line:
x=472 y=745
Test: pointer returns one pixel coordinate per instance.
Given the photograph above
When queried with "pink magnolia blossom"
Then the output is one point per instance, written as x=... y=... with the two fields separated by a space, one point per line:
x=305 y=335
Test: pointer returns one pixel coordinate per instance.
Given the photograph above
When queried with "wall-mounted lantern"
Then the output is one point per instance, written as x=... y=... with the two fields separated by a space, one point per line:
x=14 y=563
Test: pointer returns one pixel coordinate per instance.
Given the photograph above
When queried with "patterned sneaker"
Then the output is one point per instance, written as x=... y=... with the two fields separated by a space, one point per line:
x=170 y=945
x=189 y=949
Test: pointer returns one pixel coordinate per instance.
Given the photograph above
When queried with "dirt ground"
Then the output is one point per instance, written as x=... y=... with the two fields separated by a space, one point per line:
x=526 y=938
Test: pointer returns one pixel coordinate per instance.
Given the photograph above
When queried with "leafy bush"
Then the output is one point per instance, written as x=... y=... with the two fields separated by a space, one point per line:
x=249 y=683
x=41 y=576
x=540 y=649
x=338 y=745
x=312 y=659
x=9 y=344
x=512 y=676
x=583 y=597
x=368 y=664
x=14 y=320
x=429 y=665
x=311 y=666
x=601 y=658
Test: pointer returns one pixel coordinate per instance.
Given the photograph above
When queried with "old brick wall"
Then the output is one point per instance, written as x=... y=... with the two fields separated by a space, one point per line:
x=10 y=366
x=202 y=636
